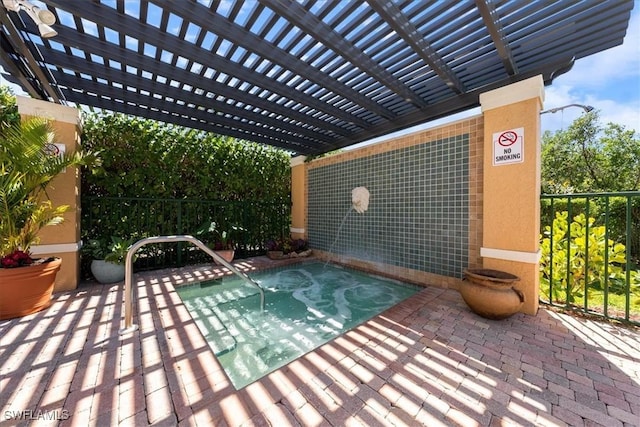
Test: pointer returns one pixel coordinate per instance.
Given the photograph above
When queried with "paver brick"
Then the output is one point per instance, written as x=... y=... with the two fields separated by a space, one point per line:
x=614 y=401
x=309 y=416
x=588 y=413
x=583 y=388
x=278 y=415
x=159 y=404
x=429 y=361
x=622 y=415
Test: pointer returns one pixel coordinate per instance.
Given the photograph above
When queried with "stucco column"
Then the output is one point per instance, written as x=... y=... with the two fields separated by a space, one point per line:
x=511 y=183
x=61 y=240
x=298 y=198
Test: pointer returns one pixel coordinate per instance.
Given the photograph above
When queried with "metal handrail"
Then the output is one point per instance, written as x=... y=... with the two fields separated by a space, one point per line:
x=128 y=288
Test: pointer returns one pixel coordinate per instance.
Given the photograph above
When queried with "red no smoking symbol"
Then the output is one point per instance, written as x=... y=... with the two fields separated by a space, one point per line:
x=51 y=149
x=507 y=138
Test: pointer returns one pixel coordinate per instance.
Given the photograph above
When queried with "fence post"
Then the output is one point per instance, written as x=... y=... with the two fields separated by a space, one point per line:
x=627 y=306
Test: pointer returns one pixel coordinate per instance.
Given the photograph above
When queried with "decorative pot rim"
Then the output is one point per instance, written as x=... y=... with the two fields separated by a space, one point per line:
x=491 y=275
x=44 y=264
x=106 y=262
x=227 y=254
x=27 y=289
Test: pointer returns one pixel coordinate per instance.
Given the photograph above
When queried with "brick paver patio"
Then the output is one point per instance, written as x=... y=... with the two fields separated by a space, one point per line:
x=428 y=361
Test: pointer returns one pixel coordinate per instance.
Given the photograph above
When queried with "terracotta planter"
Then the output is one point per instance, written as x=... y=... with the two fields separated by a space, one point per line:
x=302 y=254
x=107 y=272
x=27 y=290
x=282 y=255
x=275 y=254
x=490 y=293
x=226 y=254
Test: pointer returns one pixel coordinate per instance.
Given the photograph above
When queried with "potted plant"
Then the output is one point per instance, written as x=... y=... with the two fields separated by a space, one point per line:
x=220 y=241
x=108 y=263
x=299 y=248
x=26 y=170
x=287 y=248
x=274 y=249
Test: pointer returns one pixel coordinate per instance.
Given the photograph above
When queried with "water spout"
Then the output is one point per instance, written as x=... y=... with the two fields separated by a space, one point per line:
x=360 y=199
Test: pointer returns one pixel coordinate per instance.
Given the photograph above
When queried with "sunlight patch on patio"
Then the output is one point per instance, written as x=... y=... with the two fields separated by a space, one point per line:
x=426 y=361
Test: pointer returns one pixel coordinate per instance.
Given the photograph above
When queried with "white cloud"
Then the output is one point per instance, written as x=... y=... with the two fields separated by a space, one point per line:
x=599 y=80
x=614 y=64
x=609 y=110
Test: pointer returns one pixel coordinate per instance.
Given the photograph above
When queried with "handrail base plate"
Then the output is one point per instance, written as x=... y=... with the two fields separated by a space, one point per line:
x=130 y=329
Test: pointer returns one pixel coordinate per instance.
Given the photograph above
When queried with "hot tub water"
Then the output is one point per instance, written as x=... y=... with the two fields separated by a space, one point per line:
x=306 y=305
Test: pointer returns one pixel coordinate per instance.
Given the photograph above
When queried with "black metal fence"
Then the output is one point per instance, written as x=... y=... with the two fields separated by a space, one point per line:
x=252 y=224
x=591 y=253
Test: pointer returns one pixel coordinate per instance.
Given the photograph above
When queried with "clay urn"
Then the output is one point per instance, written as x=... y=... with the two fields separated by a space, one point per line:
x=491 y=293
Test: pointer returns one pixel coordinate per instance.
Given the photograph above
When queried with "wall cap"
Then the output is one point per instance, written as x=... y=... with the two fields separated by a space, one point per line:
x=297 y=161
x=48 y=110
x=507 y=255
x=58 y=248
x=516 y=92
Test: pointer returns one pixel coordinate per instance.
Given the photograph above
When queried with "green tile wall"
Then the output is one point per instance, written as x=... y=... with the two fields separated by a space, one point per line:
x=418 y=209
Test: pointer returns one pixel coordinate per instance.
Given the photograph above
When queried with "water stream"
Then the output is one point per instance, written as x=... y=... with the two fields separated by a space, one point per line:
x=338 y=233
x=359 y=203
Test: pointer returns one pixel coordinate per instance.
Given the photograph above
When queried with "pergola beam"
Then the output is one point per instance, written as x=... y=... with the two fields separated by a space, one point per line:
x=167 y=91
x=310 y=76
x=492 y=22
x=119 y=105
x=127 y=25
x=322 y=32
x=158 y=68
x=193 y=12
x=208 y=120
x=455 y=105
x=398 y=21
x=19 y=45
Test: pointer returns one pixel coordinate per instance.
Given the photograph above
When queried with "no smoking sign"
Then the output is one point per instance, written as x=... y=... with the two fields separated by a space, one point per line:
x=508 y=147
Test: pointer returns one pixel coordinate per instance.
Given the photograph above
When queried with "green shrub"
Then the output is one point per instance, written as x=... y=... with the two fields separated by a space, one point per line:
x=158 y=179
x=606 y=209
x=9 y=115
x=583 y=255
x=617 y=220
x=578 y=206
x=144 y=158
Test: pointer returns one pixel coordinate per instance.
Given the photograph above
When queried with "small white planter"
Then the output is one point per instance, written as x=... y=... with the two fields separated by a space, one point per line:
x=107 y=272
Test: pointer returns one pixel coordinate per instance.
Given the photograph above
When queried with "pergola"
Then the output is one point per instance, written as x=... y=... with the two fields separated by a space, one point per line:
x=308 y=76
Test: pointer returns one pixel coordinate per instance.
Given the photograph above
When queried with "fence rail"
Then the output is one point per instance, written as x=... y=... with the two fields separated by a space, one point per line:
x=255 y=222
x=591 y=253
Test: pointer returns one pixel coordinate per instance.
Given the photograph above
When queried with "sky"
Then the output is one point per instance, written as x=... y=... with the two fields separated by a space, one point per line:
x=609 y=81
